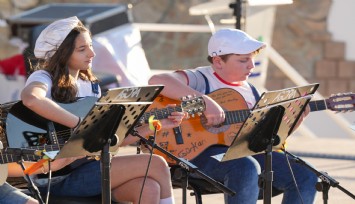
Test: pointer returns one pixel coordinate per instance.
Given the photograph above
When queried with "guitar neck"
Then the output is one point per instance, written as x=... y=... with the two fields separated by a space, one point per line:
x=160 y=113
x=318 y=105
x=239 y=116
x=8 y=158
x=236 y=116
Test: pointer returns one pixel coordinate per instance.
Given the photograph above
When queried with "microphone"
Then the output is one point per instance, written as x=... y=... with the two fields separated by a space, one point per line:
x=24 y=151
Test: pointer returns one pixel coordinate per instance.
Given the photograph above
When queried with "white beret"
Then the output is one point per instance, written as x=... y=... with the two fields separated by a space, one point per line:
x=52 y=37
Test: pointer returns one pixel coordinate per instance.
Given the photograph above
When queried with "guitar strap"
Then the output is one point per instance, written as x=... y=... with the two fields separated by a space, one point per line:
x=207 y=91
x=255 y=92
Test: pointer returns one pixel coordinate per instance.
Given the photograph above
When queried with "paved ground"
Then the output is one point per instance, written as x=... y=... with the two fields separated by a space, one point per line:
x=331 y=155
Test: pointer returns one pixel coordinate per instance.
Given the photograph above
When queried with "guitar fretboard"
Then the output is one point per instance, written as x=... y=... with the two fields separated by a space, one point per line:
x=318 y=105
x=237 y=116
x=8 y=158
x=160 y=113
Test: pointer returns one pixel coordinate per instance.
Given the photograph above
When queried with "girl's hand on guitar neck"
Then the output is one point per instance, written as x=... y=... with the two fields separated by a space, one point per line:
x=214 y=113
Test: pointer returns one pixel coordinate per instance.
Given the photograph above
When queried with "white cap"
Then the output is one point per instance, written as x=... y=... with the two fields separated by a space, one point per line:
x=52 y=37
x=232 y=41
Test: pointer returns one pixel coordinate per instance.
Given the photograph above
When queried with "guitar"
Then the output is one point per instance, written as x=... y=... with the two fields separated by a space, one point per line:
x=194 y=136
x=25 y=128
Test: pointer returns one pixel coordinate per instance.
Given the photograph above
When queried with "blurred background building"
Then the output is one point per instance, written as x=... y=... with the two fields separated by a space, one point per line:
x=313 y=37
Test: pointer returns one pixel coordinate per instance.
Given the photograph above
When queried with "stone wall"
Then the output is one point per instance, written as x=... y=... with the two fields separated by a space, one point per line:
x=300 y=36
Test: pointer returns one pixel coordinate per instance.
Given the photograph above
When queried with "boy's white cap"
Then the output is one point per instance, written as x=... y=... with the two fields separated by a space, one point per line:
x=52 y=37
x=232 y=41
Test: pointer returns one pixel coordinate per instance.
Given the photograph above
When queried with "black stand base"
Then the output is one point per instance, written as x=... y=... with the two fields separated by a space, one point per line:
x=326 y=180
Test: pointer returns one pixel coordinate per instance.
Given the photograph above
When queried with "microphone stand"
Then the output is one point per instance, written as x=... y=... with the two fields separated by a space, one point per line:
x=326 y=180
x=263 y=138
x=31 y=186
x=186 y=165
x=237 y=12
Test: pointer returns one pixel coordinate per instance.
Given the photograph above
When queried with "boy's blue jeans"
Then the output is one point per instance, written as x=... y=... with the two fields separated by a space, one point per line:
x=241 y=175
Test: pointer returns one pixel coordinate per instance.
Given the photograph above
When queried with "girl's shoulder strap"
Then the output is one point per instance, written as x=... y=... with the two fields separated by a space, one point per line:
x=95 y=87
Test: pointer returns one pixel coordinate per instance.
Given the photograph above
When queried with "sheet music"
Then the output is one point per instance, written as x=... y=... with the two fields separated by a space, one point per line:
x=129 y=103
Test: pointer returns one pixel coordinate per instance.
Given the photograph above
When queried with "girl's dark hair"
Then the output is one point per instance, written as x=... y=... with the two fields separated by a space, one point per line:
x=63 y=89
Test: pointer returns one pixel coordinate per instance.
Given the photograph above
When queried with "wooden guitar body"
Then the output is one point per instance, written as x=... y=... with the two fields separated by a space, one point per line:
x=193 y=136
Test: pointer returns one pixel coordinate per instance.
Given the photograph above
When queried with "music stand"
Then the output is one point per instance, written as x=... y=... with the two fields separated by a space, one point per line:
x=267 y=127
x=111 y=119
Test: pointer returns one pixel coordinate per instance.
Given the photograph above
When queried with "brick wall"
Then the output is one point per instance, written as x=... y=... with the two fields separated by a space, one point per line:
x=303 y=40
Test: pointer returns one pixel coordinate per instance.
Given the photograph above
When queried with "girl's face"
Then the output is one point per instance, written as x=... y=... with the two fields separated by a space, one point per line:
x=81 y=58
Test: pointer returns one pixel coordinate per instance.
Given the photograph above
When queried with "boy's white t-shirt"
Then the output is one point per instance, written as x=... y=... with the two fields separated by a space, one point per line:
x=197 y=82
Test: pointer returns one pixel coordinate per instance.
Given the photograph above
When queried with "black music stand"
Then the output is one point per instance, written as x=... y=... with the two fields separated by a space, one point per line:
x=106 y=125
x=267 y=127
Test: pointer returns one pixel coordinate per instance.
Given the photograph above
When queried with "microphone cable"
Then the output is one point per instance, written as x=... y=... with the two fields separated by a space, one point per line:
x=49 y=181
x=149 y=162
x=292 y=174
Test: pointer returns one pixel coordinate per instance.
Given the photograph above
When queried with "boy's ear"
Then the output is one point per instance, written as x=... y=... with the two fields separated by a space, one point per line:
x=217 y=62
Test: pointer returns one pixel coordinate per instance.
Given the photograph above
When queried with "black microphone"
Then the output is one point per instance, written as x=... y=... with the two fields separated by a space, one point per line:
x=23 y=151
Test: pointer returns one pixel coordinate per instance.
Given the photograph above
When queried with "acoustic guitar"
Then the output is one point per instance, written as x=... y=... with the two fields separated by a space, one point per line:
x=25 y=128
x=193 y=136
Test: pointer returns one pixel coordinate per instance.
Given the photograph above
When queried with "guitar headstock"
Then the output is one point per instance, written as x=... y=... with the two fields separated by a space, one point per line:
x=193 y=105
x=341 y=102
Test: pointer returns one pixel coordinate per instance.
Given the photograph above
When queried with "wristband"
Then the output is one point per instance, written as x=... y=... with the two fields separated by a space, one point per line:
x=77 y=123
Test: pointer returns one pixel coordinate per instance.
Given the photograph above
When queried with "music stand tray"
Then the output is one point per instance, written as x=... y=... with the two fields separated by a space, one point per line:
x=293 y=100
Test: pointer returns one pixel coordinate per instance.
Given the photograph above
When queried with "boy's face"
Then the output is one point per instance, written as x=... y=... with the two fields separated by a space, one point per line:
x=235 y=68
